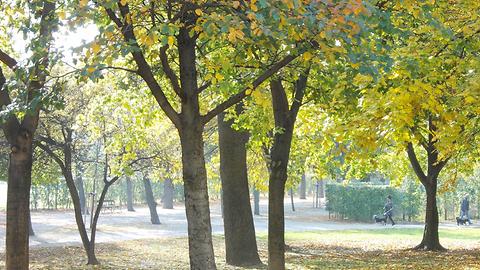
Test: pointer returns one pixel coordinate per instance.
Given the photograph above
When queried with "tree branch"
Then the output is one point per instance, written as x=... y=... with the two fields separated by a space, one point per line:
x=232 y=100
x=169 y=72
x=144 y=69
x=8 y=60
x=415 y=164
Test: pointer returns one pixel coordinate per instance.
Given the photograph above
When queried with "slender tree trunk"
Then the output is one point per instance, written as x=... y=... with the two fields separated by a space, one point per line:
x=240 y=241
x=18 y=204
x=196 y=200
x=291 y=199
x=66 y=168
x=130 y=195
x=93 y=230
x=168 y=194
x=152 y=204
x=285 y=117
x=256 y=201
x=303 y=188
x=81 y=190
x=31 y=232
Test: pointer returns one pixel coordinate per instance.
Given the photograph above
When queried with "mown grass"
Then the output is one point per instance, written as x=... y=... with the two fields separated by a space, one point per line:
x=384 y=248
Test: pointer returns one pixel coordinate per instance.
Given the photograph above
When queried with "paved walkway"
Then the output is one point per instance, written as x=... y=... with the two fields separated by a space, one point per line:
x=59 y=228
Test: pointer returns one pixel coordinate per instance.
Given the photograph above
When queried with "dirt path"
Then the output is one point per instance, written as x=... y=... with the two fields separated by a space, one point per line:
x=59 y=228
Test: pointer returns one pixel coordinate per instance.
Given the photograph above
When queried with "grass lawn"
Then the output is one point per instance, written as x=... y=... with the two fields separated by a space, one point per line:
x=383 y=248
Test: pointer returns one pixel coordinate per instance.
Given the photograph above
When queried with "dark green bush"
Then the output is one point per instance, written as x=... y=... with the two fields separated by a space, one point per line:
x=361 y=201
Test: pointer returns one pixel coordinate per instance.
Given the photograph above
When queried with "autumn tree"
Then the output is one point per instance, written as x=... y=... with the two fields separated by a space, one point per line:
x=184 y=38
x=23 y=93
x=426 y=105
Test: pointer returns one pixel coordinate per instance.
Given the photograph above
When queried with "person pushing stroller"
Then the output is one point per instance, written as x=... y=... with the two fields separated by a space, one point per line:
x=388 y=208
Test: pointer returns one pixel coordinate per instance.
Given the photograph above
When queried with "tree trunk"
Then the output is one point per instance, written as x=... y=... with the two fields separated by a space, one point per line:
x=196 y=200
x=152 y=205
x=18 y=203
x=240 y=242
x=168 y=194
x=31 y=232
x=256 y=201
x=431 y=239
x=93 y=230
x=276 y=221
x=303 y=188
x=80 y=188
x=130 y=195
x=291 y=200
x=285 y=117
x=321 y=184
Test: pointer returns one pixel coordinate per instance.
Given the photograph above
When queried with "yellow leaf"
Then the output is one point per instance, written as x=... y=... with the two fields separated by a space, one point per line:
x=253 y=7
x=236 y=4
x=123 y=2
x=307 y=56
x=219 y=76
x=170 y=41
x=469 y=99
x=91 y=69
x=61 y=15
x=248 y=91
x=83 y=3
x=198 y=12
x=96 y=47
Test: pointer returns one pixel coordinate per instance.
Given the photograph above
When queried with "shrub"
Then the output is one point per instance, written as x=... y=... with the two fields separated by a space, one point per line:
x=361 y=201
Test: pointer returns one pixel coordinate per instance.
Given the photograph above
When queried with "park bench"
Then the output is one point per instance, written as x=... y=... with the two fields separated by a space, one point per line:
x=109 y=205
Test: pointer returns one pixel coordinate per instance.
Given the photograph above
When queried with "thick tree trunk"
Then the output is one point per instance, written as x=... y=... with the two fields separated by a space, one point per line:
x=431 y=239
x=130 y=195
x=196 y=200
x=168 y=194
x=303 y=188
x=18 y=204
x=321 y=186
x=240 y=242
x=152 y=204
x=256 y=201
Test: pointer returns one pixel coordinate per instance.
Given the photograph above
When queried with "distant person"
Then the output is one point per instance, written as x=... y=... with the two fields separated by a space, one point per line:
x=389 y=209
x=464 y=207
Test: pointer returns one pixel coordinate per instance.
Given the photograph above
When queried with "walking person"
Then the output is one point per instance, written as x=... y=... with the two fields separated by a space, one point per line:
x=388 y=208
x=464 y=207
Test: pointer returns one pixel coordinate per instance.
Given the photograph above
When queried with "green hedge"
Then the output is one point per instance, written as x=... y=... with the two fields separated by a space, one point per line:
x=360 y=202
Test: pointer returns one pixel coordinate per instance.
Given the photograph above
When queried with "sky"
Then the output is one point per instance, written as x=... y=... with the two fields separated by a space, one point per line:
x=65 y=41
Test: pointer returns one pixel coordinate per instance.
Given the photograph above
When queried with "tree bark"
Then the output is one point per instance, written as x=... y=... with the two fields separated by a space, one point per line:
x=256 y=201
x=285 y=117
x=18 y=203
x=196 y=200
x=130 y=195
x=240 y=242
x=152 y=204
x=168 y=194
x=431 y=240
x=303 y=188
